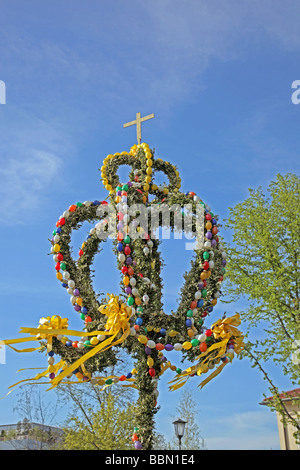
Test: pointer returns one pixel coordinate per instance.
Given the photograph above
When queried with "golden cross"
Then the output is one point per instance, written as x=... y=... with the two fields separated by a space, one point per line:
x=138 y=122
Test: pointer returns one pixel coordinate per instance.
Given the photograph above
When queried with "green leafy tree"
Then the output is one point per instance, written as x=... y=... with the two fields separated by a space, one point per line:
x=263 y=270
x=109 y=427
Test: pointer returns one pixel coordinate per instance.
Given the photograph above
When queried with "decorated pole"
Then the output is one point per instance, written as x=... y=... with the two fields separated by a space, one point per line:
x=134 y=318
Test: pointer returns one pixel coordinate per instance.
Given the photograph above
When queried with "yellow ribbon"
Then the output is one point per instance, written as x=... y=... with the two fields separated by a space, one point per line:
x=51 y=323
x=118 y=315
x=223 y=329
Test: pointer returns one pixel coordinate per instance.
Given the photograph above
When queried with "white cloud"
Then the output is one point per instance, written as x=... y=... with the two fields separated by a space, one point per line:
x=31 y=159
x=23 y=182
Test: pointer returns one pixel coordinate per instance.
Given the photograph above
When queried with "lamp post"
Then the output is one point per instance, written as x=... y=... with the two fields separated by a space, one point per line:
x=179 y=425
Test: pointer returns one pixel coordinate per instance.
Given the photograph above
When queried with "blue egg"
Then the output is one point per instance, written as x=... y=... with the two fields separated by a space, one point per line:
x=63 y=284
x=58 y=230
x=163 y=332
x=139 y=321
x=69 y=343
x=200 y=303
x=120 y=247
x=96 y=203
x=50 y=353
x=209 y=309
x=188 y=322
x=128 y=376
x=213 y=221
x=83 y=310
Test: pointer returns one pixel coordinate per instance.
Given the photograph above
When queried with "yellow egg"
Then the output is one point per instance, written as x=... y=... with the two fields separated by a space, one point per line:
x=149 y=170
x=150 y=362
x=94 y=340
x=173 y=333
x=56 y=247
x=142 y=339
x=59 y=276
x=187 y=345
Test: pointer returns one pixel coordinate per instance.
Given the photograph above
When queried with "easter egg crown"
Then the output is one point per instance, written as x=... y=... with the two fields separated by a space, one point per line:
x=134 y=318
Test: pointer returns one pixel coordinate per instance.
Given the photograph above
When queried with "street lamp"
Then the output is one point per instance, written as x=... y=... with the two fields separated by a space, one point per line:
x=179 y=425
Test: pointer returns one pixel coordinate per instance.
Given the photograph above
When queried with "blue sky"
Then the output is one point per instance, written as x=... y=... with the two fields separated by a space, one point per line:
x=218 y=77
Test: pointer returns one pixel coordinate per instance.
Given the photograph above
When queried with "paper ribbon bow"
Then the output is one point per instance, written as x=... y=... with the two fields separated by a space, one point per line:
x=224 y=330
x=118 y=314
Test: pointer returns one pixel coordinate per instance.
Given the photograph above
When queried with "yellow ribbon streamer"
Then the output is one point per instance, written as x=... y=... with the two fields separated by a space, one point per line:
x=118 y=315
x=223 y=329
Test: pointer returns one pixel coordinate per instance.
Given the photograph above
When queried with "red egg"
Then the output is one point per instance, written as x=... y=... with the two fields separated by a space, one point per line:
x=127 y=250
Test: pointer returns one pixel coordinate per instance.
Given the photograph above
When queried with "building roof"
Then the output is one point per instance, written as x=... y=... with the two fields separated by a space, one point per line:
x=284 y=396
